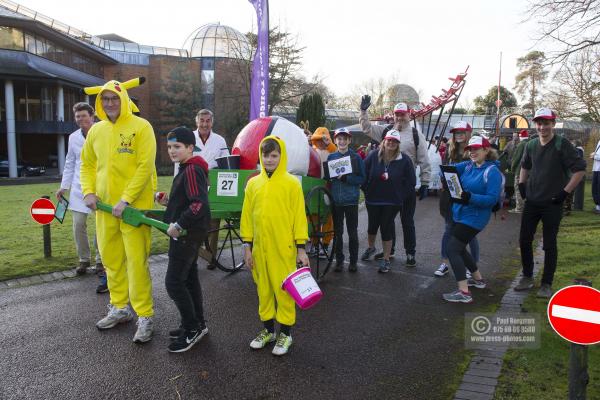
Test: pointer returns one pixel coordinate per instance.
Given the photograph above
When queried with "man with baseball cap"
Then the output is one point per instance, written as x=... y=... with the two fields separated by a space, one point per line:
x=414 y=145
x=551 y=169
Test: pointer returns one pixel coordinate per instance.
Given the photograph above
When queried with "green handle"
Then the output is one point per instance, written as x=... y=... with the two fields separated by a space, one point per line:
x=135 y=217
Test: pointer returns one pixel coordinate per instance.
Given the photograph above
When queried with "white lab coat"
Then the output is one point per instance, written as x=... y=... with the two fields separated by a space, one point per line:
x=70 y=178
x=214 y=148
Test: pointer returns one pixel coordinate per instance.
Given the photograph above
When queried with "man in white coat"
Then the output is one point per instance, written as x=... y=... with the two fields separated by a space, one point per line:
x=84 y=117
x=212 y=146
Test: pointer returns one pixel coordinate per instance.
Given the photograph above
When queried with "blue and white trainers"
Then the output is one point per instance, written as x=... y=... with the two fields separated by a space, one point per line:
x=478 y=283
x=368 y=253
x=384 y=266
x=458 y=297
x=442 y=270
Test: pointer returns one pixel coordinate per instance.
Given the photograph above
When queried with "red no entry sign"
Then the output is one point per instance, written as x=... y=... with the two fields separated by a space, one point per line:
x=574 y=313
x=42 y=211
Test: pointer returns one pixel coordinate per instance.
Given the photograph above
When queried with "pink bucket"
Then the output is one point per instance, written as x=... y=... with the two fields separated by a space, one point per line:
x=303 y=288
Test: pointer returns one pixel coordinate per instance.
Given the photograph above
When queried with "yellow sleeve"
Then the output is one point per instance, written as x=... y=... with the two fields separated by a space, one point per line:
x=299 y=214
x=246 y=223
x=145 y=167
x=87 y=173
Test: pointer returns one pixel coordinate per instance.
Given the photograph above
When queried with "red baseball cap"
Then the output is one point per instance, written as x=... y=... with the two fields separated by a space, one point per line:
x=461 y=127
x=392 y=134
x=477 y=142
x=401 y=108
x=544 y=113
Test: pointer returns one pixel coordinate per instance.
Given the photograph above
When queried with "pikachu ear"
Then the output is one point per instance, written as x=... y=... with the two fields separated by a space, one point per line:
x=133 y=107
x=92 y=90
x=133 y=82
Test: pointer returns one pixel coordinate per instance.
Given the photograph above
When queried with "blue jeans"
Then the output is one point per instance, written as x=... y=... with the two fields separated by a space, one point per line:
x=473 y=244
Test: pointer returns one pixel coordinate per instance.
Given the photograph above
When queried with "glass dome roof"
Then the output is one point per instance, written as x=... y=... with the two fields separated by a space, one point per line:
x=216 y=40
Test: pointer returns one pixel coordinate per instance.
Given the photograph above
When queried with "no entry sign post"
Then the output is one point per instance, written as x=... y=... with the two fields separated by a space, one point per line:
x=42 y=211
x=573 y=314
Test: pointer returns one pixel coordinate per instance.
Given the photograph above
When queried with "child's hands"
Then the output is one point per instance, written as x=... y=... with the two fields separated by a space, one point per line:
x=161 y=198
x=302 y=257
x=248 y=257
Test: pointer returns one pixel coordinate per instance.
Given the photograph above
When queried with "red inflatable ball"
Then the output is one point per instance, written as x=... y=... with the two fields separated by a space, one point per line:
x=302 y=158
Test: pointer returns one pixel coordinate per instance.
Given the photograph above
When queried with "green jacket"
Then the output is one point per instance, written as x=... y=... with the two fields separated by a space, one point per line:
x=517 y=157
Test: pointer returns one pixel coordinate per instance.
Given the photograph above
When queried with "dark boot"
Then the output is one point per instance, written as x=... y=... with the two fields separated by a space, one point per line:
x=83 y=266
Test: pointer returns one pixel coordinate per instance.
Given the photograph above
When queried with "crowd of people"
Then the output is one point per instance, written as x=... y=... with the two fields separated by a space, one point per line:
x=113 y=160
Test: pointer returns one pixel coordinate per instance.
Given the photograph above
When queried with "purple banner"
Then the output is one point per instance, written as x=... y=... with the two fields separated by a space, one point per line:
x=259 y=85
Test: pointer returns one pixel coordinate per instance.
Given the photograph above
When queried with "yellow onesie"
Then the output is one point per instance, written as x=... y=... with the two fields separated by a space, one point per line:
x=117 y=163
x=274 y=220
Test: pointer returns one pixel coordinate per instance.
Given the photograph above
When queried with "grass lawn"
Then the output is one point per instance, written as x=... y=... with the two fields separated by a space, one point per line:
x=543 y=373
x=21 y=243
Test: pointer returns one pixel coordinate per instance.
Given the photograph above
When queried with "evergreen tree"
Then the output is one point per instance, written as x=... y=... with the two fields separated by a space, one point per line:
x=311 y=109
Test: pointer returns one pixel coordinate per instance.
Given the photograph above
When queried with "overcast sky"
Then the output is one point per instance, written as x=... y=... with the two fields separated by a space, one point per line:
x=347 y=42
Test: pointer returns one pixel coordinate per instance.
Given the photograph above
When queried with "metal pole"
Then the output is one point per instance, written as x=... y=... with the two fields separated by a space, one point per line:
x=578 y=364
x=47 y=238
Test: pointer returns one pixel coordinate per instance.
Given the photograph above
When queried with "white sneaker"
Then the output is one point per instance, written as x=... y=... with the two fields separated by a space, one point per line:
x=469 y=276
x=442 y=270
x=115 y=316
x=283 y=344
x=144 y=331
x=264 y=337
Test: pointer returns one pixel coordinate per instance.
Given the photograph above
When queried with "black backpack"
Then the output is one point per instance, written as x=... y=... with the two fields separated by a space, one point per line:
x=415 y=133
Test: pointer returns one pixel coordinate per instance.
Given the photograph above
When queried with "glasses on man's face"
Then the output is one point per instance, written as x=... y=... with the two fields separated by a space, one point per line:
x=108 y=100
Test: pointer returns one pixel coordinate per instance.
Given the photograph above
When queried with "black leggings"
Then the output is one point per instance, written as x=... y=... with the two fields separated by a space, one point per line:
x=382 y=217
x=460 y=258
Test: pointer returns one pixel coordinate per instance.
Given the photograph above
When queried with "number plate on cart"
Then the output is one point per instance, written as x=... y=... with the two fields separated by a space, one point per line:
x=227 y=184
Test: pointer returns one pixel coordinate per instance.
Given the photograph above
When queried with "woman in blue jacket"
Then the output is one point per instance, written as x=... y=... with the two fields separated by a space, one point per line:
x=390 y=178
x=481 y=181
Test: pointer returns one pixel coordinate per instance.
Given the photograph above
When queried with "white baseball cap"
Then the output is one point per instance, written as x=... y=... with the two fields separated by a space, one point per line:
x=392 y=134
x=401 y=108
x=461 y=127
x=477 y=142
x=342 y=131
x=544 y=113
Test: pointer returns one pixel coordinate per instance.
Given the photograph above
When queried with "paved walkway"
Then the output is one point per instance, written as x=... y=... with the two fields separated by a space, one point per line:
x=372 y=336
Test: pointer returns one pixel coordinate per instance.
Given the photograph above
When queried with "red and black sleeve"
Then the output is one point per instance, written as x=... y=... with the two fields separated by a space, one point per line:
x=194 y=182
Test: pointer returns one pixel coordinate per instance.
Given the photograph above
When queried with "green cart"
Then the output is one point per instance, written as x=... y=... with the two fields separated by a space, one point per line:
x=226 y=197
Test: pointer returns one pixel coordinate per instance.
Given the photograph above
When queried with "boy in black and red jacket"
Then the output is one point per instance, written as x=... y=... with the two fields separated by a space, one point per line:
x=187 y=209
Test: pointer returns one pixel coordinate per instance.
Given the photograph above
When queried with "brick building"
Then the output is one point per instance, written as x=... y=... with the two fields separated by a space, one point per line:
x=44 y=64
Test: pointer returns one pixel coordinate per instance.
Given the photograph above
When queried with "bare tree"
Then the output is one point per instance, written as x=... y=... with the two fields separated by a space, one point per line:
x=579 y=79
x=574 y=24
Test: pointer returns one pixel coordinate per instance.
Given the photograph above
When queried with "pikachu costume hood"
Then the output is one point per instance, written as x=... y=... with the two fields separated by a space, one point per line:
x=274 y=220
x=118 y=164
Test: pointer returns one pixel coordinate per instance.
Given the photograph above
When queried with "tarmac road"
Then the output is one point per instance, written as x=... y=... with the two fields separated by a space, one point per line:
x=373 y=336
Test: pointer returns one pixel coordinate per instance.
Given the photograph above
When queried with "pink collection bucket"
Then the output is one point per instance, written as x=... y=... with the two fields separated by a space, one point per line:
x=303 y=288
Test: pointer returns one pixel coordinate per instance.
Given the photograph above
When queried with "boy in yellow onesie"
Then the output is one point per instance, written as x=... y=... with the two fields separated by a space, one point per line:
x=274 y=231
x=117 y=167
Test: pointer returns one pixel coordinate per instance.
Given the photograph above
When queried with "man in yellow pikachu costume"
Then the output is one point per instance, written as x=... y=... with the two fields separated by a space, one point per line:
x=117 y=167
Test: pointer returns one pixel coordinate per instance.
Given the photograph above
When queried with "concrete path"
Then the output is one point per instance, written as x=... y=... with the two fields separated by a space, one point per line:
x=374 y=336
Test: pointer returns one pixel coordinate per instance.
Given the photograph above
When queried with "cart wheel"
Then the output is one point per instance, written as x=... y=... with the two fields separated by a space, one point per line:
x=231 y=245
x=319 y=210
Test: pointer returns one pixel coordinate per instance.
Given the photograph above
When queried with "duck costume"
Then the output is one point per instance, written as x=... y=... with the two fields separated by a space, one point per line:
x=274 y=221
x=117 y=163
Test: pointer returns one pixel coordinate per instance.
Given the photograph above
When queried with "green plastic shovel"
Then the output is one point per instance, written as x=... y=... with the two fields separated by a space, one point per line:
x=135 y=217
